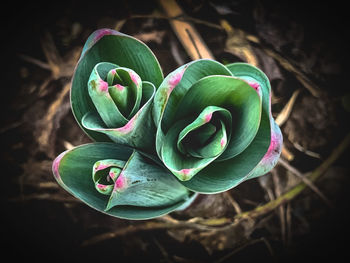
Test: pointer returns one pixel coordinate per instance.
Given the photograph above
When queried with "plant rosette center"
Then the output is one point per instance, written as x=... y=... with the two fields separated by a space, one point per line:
x=122 y=102
x=214 y=125
x=116 y=95
x=106 y=175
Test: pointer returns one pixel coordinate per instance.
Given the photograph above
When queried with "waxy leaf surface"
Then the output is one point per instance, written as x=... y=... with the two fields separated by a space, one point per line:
x=110 y=46
x=142 y=189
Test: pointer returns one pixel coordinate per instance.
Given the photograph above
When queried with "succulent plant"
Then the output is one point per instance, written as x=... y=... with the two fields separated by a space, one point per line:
x=205 y=128
x=113 y=87
x=214 y=125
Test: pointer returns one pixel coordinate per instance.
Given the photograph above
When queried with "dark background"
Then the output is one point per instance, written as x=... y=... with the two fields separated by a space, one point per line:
x=44 y=227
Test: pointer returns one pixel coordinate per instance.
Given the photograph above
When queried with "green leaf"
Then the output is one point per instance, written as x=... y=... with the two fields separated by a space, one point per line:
x=99 y=93
x=232 y=94
x=206 y=136
x=121 y=96
x=272 y=155
x=73 y=169
x=138 y=132
x=175 y=86
x=184 y=167
x=106 y=45
x=134 y=83
x=212 y=147
x=223 y=175
x=178 y=82
x=104 y=181
x=145 y=185
x=261 y=82
x=124 y=79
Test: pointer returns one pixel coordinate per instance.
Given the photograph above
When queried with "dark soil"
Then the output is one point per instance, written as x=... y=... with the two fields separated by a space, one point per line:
x=41 y=222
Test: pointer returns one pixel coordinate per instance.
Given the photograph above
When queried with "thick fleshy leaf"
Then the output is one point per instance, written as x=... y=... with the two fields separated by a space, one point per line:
x=184 y=167
x=121 y=97
x=124 y=79
x=214 y=146
x=175 y=86
x=106 y=45
x=101 y=98
x=233 y=95
x=73 y=168
x=206 y=136
x=104 y=180
x=223 y=175
x=178 y=82
x=138 y=132
x=145 y=185
x=273 y=153
x=257 y=79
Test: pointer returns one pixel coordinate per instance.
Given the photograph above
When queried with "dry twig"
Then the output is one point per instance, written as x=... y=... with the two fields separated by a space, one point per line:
x=281 y=209
x=295 y=191
x=306 y=151
x=305 y=81
x=233 y=202
x=237 y=44
x=285 y=113
x=187 y=34
x=182 y=17
x=307 y=181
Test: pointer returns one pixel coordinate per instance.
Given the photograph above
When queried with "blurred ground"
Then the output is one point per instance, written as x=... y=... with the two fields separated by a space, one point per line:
x=299 y=47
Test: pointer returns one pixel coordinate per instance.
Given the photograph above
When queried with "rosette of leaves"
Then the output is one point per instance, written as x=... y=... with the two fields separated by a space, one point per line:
x=119 y=181
x=214 y=125
x=112 y=92
x=113 y=87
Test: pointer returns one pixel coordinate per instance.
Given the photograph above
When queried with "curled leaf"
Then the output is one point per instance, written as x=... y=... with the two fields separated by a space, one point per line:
x=123 y=104
x=119 y=181
x=208 y=150
x=115 y=64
